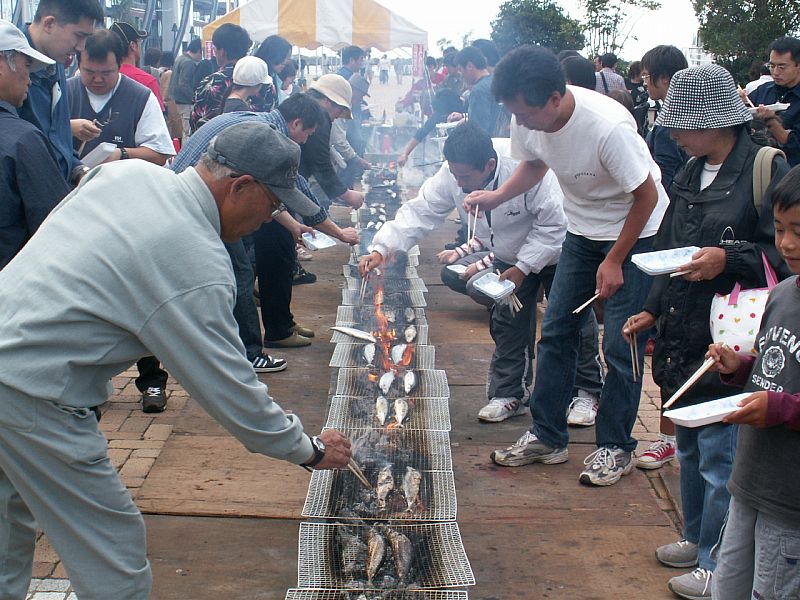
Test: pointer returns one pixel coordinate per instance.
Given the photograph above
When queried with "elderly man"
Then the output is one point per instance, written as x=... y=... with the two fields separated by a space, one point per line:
x=90 y=304
x=30 y=181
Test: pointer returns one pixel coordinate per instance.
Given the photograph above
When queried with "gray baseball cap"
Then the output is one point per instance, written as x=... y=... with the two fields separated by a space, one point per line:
x=12 y=38
x=256 y=148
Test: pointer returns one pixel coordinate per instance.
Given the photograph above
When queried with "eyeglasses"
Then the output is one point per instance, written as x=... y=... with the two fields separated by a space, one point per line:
x=645 y=77
x=779 y=66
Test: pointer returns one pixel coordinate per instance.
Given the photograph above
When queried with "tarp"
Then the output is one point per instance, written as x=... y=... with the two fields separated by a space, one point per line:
x=332 y=23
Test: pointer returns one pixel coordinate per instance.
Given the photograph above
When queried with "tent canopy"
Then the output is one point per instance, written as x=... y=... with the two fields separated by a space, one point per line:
x=332 y=23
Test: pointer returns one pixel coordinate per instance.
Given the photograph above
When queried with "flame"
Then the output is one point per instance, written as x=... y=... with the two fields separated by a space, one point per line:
x=385 y=335
x=408 y=354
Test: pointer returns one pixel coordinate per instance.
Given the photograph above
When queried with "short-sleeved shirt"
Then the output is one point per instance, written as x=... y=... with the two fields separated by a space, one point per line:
x=599 y=159
x=145 y=79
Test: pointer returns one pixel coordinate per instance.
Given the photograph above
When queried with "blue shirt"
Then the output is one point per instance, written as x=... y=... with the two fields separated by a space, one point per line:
x=51 y=120
x=770 y=93
x=198 y=144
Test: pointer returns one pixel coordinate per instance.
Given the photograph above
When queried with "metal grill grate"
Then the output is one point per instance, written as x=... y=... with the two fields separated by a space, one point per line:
x=389 y=285
x=366 y=314
x=346 y=412
x=337 y=494
x=338 y=337
x=334 y=555
x=414 y=299
x=412 y=261
x=430 y=384
x=299 y=594
x=390 y=271
x=423 y=450
x=352 y=355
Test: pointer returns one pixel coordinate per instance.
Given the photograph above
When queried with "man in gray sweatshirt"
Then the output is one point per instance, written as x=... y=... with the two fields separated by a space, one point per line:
x=103 y=282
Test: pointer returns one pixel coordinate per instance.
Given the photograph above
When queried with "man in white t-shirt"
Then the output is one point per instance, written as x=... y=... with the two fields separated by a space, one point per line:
x=614 y=204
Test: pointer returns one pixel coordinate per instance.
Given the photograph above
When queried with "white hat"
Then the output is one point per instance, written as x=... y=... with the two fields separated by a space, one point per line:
x=336 y=89
x=12 y=38
x=251 y=70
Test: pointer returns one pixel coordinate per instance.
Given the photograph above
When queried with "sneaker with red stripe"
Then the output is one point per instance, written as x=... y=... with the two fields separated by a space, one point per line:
x=657 y=455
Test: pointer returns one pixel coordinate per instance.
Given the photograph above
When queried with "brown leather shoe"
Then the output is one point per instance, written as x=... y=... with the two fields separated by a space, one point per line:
x=304 y=331
x=293 y=341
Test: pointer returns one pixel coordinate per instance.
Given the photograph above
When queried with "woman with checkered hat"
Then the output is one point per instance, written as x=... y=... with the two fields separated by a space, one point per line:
x=712 y=207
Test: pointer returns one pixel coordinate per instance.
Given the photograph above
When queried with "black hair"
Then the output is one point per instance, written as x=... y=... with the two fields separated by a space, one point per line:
x=68 y=12
x=489 y=50
x=663 y=61
x=430 y=62
x=471 y=54
x=167 y=60
x=566 y=54
x=786 y=194
x=635 y=69
x=100 y=43
x=273 y=51
x=449 y=59
x=352 y=53
x=623 y=97
x=786 y=44
x=195 y=45
x=447 y=101
x=289 y=70
x=152 y=57
x=531 y=72
x=609 y=59
x=303 y=107
x=579 y=71
x=234 y=39
x=468 y=144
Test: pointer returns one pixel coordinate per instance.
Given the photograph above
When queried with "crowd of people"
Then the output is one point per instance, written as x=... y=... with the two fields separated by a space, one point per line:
x=568 y=178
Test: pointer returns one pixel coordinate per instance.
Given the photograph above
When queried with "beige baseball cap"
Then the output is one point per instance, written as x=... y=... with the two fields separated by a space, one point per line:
x=336 y=89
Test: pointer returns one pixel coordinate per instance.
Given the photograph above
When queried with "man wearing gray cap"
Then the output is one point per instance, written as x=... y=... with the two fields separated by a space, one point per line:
x=31 y=183
x=89 y=305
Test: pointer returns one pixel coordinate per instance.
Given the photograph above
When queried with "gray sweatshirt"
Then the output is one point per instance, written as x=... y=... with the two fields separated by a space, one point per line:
x=131 y=264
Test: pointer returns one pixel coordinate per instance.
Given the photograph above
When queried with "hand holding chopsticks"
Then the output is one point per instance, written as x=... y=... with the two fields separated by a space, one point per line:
x=356 y=470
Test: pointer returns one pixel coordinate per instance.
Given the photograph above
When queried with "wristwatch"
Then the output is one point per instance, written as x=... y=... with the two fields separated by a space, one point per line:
x=319 y=453
x=123 y=153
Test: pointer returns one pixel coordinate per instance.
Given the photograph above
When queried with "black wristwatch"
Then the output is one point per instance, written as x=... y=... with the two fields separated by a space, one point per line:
x=123 y=153
x=319 y=453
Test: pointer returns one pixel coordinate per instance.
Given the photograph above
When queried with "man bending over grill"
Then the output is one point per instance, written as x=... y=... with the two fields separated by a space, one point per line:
x=524 y=240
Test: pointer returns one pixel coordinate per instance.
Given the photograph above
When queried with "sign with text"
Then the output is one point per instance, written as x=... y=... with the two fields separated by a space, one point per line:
x=417 y=60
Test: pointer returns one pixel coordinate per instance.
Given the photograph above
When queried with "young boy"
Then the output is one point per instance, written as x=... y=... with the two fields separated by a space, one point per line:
x=760 y=550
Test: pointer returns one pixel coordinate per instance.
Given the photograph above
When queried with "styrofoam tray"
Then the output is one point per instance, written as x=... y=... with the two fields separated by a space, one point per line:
x=319 y=242
x=777 y=107
x=460 y=269
x=706 y=413
x=491 y=285
x=662 y=262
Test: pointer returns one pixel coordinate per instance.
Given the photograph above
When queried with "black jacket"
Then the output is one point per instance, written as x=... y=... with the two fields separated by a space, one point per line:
x=315 y=159
x=722 y=215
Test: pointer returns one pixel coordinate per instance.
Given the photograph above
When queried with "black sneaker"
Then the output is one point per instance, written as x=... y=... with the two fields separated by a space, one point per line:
x=302 y=276
x=264 y=363
x=451 y=246
x=154 y=400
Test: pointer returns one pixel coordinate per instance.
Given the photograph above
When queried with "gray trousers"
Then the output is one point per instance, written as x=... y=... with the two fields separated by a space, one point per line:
x=55 y=471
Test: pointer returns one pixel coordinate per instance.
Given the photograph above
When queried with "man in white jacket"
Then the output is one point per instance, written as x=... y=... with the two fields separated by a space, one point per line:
x=524 y=238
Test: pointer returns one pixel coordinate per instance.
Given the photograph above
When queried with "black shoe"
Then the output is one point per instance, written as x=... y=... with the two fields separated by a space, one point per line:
x=154 y=400
x=302 y=276
x=451 y=246
x=264 y=363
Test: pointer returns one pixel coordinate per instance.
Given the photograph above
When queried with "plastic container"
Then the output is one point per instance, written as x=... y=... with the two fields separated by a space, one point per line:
x=707 y=412
x=777 y=107
x=460 y=269
x=319 y=242
x=101 y=152
x=491 y=285
x=663 y=262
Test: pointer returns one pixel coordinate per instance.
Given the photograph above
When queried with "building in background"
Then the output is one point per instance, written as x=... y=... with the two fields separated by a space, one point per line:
x=695 y=55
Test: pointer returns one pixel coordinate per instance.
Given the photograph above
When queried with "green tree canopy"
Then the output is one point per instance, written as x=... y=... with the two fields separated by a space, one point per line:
x=540 y=22
x=738 y=32
x=607 y=23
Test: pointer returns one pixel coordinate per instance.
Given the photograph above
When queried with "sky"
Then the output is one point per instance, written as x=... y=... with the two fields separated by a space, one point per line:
x=675 y=23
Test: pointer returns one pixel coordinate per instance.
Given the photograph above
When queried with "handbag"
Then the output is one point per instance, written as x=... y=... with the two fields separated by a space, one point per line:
x=735 y=318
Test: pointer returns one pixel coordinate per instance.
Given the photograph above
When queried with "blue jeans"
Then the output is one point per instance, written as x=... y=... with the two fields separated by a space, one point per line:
x=574 y=283
x=706 y=456
x=245 y=311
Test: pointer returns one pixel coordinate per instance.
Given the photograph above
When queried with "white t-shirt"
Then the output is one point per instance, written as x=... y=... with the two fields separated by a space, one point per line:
x=599 y=158
x=151 y=130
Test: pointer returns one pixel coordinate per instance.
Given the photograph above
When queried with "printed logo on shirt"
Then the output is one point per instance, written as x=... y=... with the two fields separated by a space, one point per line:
x=584 y=174
x=773 y=362
x=118 y=139
x=512 y=213
x=776 y=346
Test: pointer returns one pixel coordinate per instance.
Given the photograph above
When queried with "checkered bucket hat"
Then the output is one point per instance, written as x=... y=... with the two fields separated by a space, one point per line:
x=702 y=98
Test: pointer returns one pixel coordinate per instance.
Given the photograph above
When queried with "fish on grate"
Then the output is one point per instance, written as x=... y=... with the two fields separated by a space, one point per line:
x=376 y=549
x=384 y=486
x=411 y=482
x=400 y=411
x=409 y=382
x=381 y=409
x=403 y=554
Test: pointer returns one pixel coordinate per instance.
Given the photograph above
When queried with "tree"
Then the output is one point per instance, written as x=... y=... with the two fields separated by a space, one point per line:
x=608 y=24
x=540 y=22
x=738 y=32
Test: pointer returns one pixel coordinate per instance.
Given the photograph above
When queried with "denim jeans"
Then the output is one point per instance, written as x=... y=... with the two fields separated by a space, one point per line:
x=245 y=311
x=706 y=456
x=574 y=283
x=758 y=557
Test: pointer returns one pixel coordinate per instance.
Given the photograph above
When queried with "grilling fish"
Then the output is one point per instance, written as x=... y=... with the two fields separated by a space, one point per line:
x=403 y=553
x=400 y=411
x=376 y=549
x=384 y=486
x=410 y=315
x=390 y=314
x=369 y=353
x=410 y=333
x=386 y=381
x=397 y=353
x=409 y=381
x=381 y=409
x=411 y=482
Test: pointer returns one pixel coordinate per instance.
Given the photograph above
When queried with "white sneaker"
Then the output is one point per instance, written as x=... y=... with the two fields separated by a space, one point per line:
x=500 y=409
x=606 y=466
x=582 y=410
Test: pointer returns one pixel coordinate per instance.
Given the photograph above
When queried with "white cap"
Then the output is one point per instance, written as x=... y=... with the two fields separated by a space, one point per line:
x=12 y=38
x=336 y=89
x=251 y=70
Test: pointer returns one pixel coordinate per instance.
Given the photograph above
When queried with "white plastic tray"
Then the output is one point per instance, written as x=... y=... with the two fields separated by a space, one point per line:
x=662 y=262
x=705 y=413
x=101 y=152
x=777 y=107
x=319 y=242
x=460 y=269
x=491 y=285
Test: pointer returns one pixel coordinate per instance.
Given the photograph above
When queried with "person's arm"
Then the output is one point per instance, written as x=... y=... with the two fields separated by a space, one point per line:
x=40 y=182
x=317 y=156
x=296 y=228
x=339 y=141
x=527 y=174
x=348 y=235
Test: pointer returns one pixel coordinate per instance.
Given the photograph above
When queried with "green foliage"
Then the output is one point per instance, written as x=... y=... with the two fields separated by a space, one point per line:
x=540 y=22
x=738 y=32
x=607 y=24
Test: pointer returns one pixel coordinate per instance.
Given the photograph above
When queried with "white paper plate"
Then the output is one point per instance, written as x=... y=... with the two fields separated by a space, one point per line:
x=101 y=152
x=491 y=285
x=662 y=262
x=705 y=413
x=460 y=269
x=777 y=107
x=319 y=242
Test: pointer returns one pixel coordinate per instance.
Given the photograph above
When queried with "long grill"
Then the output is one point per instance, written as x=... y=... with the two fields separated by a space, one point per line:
x=390 y=286
x=352 y=355
x=356 y=382
x=407 y=298
x=298 y=594
x=347 y=412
